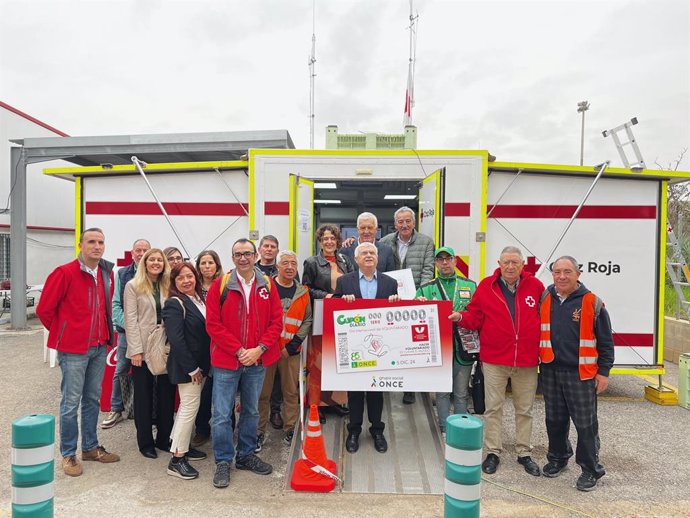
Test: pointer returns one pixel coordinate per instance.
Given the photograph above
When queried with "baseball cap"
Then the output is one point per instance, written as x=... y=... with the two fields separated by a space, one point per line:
x=445 y=249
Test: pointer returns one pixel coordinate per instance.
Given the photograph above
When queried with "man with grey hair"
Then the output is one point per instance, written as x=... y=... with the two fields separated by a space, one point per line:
x=123 y=364
x=411 y=250
x=367 y=283
x=297 y=320
x=505 y=311
x=367 y=226
x=576 y=353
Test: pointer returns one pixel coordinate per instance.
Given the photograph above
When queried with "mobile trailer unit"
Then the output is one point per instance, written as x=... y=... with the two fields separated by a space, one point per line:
x=465 y=201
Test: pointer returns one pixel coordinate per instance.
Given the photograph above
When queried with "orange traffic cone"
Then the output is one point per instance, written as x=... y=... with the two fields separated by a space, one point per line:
x=313 y=471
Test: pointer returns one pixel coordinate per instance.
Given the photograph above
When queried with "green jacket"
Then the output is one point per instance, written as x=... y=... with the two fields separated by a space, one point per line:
x=464 y=289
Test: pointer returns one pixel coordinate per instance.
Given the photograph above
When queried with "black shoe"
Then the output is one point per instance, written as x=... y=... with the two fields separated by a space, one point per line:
x=530 y=466
x=352 y=442
x=221 y=477
x=586 y=482
x=552 y=469
x=340 y=410
x=322 y=416
x=253 y=463
x=179 y=467
x=288 y=437
x=194 y=454
x=409 y=398
x=276 y=421
x=259 y=443
x=380 y=443
x=149 y=453
x=490 y=464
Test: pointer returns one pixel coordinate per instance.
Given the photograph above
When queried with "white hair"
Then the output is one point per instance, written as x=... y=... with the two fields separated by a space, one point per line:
x=367 y=216
x=285 y=253
x=512 y=250
x=366 y=245
x=401 y=210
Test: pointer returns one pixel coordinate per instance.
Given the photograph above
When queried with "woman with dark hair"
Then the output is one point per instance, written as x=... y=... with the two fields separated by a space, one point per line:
x=189 y=361
x=321 y=272
x=173 y=255
x=209 y=268
x=144 y=298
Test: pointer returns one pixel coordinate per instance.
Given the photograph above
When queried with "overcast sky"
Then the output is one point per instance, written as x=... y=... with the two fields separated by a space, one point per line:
x=504 y=76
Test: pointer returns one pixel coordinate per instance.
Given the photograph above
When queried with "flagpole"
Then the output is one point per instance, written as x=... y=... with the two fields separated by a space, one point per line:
x=409 y=93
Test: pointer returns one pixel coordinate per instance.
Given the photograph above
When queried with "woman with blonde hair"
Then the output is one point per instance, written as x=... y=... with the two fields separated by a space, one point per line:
x=144 y=299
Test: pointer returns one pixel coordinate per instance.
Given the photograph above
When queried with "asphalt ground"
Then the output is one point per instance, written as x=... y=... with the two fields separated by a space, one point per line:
x=645 y=450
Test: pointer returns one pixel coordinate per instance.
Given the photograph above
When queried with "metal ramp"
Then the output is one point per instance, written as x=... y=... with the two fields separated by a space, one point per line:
x=413 y=464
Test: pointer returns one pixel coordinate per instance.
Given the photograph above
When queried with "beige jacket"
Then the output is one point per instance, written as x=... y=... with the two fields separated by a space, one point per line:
x=139 y=319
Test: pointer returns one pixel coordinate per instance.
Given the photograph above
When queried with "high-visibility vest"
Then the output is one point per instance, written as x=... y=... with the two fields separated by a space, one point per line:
x=588 y=355
x=293 y=318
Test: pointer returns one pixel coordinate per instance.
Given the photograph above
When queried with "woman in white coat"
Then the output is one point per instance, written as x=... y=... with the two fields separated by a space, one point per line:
x=144 y=298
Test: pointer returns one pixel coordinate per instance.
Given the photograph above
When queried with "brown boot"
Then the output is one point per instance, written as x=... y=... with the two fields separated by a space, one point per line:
x=71 y=466
x=99 y=454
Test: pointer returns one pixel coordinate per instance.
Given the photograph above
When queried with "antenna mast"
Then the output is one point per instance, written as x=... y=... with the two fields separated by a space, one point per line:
x=409 y=93
x=312 y=75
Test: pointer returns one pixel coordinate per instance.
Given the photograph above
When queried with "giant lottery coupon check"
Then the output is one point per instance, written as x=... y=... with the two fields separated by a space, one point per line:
x=376 y=345
x=393 y=338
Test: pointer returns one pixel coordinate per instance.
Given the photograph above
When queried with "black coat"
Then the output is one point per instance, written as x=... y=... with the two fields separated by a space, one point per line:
x=386 y=258
x=349 y=285
x=189 y=341
x=317 y=274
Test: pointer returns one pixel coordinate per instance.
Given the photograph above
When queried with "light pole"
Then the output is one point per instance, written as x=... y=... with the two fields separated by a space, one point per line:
x=582 y=107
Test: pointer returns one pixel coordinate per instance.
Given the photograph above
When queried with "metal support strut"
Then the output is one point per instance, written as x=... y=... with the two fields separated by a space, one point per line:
x=138 y=164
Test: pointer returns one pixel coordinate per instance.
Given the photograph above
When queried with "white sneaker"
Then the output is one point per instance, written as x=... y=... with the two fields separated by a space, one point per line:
x=111 y=420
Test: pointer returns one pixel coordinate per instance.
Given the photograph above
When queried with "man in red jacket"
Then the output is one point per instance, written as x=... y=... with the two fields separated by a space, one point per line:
x=244 y=318
x=76 y=309
x=505 y=311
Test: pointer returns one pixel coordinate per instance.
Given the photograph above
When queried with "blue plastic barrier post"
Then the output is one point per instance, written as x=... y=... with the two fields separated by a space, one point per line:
x=33 y=453
x=464 y=436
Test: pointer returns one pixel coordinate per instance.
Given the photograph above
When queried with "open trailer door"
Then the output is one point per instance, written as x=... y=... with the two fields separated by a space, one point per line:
x=431 y=198
x=301 y=231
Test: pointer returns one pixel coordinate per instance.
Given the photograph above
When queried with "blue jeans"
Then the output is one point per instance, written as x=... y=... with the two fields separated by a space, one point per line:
x=121 y=369
x=82 y=375
x=460 y=396
x=226 y=383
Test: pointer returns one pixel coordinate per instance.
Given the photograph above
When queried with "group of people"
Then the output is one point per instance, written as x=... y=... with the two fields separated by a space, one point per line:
x=241 y=333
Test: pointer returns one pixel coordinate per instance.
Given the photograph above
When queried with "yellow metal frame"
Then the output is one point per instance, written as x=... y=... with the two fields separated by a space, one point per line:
x=663 y=223
x=169 y=167
x=484 y=154
x=674 y=176
x=436 y=175
x=78 y=220
x=295 y=182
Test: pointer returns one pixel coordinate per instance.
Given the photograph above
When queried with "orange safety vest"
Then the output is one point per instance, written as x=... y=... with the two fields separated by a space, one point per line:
x=293 y=318
x=588 y=355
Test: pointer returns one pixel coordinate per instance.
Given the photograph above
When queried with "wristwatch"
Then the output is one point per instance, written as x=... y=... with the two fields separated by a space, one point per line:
x=263 y=348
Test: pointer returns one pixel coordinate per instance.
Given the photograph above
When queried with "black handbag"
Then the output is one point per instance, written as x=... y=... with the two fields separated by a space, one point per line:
x=478 y=390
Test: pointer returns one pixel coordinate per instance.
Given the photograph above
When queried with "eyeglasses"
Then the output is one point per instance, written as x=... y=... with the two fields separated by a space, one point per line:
x=446 y=259
x=175 y=260
x=246 y=255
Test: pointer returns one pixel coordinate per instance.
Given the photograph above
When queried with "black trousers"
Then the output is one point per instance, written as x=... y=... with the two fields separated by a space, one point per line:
x=568 y=397
x=143 y=408
x=355 y=400
x=276 y=395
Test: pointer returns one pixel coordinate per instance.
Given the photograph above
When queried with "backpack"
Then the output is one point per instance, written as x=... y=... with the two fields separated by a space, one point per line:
x=224 y=285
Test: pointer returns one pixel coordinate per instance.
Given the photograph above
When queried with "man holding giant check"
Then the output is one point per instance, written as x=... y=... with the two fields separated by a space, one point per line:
x=367 y=283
